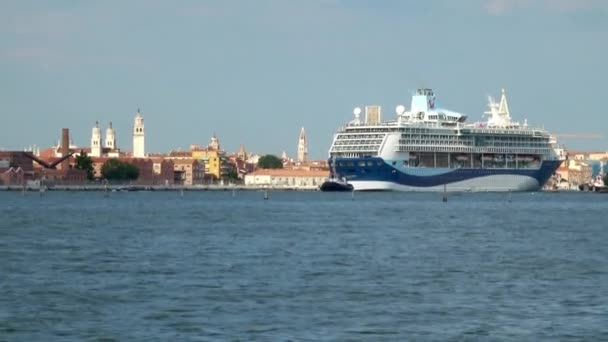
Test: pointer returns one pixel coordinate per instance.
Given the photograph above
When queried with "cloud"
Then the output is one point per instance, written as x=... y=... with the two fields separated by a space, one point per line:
x=502 y=7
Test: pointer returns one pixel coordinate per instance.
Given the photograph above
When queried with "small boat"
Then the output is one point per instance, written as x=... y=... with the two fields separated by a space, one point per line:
x=336 y=184
x=462 y=157
x=487 y=157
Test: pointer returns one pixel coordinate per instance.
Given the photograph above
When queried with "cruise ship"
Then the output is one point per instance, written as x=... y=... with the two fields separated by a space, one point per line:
x=427 y=148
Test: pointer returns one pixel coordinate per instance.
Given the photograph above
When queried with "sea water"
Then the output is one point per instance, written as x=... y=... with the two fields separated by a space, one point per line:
x=303 y=266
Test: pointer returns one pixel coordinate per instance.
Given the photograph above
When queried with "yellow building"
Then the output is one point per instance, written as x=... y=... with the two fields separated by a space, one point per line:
x=211 y=156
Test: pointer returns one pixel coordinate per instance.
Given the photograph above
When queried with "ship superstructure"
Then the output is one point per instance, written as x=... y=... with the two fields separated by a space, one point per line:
x=431 y=148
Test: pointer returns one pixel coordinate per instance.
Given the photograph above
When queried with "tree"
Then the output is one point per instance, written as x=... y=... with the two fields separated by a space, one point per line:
x=84 y=162
x=231 y=175
x=270 y=161
x=606 y=180
x=115 y=169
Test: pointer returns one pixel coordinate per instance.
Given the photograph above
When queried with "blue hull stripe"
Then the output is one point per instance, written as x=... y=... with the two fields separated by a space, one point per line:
x=378 y=170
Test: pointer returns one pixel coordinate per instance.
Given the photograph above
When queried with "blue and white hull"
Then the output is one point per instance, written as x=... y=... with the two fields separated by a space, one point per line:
x=375 y=174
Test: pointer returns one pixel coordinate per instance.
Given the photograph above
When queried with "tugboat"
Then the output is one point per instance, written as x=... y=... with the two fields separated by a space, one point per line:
x=336 y=184
x=596 y=185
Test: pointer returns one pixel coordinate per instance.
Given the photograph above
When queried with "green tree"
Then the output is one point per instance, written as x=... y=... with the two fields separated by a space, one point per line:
x=270 y=161
x=116 y=170
x=231 y=175
x=84 y=162
x=606 y=180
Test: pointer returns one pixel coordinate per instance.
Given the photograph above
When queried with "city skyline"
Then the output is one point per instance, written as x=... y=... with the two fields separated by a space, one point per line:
x=255 y=73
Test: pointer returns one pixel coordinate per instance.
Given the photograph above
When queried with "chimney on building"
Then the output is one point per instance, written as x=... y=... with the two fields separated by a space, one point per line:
x=65 y=147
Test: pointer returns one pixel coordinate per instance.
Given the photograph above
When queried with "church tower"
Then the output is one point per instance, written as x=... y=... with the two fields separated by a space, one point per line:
x=302 y=147
x=242 y=153
x=138 y=136
x=110 y=137
x=215 y=143
x=96 y=141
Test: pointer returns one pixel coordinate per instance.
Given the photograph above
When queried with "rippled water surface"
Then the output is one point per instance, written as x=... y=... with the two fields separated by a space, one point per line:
x=215 y=266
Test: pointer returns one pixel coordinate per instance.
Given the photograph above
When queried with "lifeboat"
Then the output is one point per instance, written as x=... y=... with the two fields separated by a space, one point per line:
x=462 y=157
x=487 y=157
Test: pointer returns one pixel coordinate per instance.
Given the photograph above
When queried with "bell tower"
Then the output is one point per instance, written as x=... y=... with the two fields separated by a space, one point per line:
x=96 y=141
x=110 y=137
x=138 y=136
x=302 y=146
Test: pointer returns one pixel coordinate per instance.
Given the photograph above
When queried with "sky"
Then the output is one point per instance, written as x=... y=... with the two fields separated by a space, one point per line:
x=255 y=72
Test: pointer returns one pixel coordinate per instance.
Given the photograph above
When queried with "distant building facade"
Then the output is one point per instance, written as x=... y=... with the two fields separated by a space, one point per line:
x=212 y=157
x=188 y=171
x=286 y=178
x=573 y=173
x=152 y=171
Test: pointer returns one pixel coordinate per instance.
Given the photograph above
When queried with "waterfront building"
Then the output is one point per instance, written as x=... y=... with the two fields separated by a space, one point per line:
x=286 y=178
x=138 y=136
x=10 y=175
x=70 y=176
x=18 y=159
x=163 y=169
x=588 y=155
x=595 y=159
x=10 y=172
x=152 y=171
x=212 y=156
x=188 y=171
x=573 y=173
x=239 y=165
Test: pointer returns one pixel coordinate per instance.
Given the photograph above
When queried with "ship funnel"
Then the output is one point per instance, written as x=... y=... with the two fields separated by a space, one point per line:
x=423 y=101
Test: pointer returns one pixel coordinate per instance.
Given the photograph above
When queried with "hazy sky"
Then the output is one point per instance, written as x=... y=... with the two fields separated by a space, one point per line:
x=254 y=72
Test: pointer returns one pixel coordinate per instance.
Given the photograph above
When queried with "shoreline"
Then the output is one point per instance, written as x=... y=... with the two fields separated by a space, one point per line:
x=164 y=188
x=132 y=188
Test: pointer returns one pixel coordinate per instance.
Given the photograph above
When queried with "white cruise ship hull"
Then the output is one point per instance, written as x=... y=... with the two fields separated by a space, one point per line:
x=498 y=183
